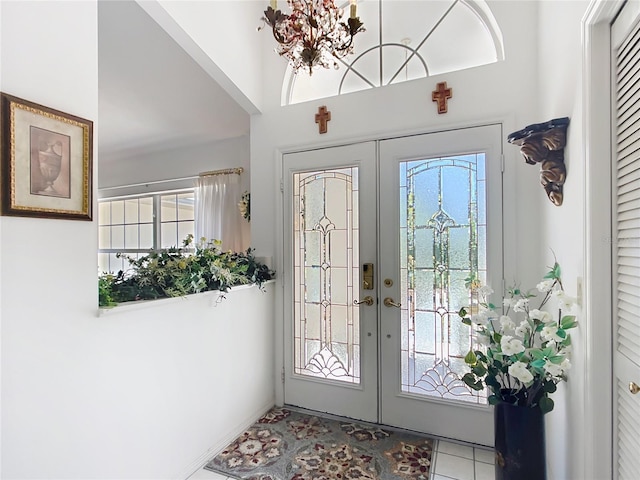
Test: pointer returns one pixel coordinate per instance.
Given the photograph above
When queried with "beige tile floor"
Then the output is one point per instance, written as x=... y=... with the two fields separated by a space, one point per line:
x=451 y=461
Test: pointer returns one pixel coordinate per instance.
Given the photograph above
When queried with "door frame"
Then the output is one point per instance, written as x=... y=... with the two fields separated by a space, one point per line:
x=509 y=214
x=597 y=451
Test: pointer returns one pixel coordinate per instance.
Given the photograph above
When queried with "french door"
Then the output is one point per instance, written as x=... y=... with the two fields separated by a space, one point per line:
x=381 y=238
x=331 y=342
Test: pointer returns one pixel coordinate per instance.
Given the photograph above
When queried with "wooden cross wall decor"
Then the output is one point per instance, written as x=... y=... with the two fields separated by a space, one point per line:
x=322 y=117
x=441 y=94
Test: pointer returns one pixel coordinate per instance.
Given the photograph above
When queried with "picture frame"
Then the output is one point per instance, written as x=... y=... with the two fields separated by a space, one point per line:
x=46 y=159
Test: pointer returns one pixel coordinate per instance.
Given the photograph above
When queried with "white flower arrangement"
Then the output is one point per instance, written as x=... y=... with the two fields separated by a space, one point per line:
x=523 y=353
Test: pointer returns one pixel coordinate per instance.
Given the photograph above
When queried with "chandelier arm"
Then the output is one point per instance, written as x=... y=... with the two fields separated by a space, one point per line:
x=344 y=47
x=311 y=21
x=354 y=27
x=273 y=18
x=279 y=38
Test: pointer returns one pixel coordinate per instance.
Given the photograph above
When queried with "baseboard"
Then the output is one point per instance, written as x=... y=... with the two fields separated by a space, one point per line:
x=212 y=451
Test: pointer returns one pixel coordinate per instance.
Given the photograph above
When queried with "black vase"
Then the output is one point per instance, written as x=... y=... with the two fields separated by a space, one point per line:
x=519 y=443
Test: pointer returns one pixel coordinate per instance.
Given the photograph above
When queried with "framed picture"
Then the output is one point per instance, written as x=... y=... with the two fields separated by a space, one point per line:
x=46 y=161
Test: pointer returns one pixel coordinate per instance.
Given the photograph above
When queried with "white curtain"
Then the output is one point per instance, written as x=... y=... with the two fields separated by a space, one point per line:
x=217 y=216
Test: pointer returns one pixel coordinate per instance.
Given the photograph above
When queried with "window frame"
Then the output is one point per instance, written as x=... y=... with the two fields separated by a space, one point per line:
x=156 y=223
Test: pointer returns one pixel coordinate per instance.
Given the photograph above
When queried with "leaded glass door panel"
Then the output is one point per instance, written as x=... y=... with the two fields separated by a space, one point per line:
x=437 y=209
x=330 y=338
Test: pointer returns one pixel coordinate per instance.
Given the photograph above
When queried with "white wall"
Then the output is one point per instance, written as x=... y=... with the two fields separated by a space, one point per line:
x=213 y=33
x=49 y=56
x=562 y=228
x=122 y=396
x=167 y=165
x=181 y=379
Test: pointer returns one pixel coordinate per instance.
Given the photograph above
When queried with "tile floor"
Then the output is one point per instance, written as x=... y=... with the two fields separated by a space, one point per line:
x=452 y=461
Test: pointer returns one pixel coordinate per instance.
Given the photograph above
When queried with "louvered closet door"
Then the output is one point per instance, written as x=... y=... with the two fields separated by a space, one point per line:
x=626 y=247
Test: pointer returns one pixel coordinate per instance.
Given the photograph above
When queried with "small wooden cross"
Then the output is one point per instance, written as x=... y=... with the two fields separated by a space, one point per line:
x=441 y=94
x=322 y=117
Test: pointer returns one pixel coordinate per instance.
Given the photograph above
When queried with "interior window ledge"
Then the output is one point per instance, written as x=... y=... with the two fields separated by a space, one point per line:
x=216 y=296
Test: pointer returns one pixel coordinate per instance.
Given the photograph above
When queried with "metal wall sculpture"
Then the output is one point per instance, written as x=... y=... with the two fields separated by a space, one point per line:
x=544 y=143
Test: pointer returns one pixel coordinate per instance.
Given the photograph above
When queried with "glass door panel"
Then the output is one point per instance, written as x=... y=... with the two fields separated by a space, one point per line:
x=441 y=244
x=326 y=262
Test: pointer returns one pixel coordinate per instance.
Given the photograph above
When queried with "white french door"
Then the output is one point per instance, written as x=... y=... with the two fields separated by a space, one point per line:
x=331 y=343
x=436 y=208
x=414 y=213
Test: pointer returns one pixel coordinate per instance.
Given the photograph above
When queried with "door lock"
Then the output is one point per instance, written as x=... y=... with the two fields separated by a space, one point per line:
x=634 y=388
x=367 y=276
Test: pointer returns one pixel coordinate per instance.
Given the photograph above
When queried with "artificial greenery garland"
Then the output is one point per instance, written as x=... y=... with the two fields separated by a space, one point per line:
x=175 y=272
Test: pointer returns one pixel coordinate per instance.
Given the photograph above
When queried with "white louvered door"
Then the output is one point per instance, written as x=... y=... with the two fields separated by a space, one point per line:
x=626 y=247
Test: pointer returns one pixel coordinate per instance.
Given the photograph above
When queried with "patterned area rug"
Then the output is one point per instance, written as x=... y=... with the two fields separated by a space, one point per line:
x=288 y=445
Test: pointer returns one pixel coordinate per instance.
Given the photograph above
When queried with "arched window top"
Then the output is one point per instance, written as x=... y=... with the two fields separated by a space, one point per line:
x=405 y=40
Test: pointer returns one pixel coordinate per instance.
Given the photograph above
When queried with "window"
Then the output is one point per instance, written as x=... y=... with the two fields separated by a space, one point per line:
x=134 y=225
x=405 y=41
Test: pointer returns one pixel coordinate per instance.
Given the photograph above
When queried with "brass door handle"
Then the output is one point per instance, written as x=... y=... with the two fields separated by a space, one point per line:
x=388 y=302
x=368 y=300
x=634 y=388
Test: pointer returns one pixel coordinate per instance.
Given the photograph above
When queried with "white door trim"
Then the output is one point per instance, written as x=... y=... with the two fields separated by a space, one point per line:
x=598 y=383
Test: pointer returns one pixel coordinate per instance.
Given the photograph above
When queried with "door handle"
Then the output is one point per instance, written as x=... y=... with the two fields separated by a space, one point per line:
x=388 y=302
x=634 y=388
x=368 y=300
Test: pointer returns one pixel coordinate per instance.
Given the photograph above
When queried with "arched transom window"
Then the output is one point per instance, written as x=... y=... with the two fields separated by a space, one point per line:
x=405 y=40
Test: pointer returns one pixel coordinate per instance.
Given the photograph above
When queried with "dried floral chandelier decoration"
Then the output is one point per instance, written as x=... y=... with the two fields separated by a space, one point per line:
x=313 y=35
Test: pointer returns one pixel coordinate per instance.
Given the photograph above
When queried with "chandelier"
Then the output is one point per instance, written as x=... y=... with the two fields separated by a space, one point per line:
x=313 y=35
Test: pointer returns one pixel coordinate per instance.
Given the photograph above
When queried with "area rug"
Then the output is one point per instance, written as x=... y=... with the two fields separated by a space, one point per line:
x=290 y=445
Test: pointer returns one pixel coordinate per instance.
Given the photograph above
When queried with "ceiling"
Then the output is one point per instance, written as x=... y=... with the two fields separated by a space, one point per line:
x=152 y=95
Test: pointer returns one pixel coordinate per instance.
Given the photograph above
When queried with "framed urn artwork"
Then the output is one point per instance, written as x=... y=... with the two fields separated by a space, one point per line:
x=46 y=161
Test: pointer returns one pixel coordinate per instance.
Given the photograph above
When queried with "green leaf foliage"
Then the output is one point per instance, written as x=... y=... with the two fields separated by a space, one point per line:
x=546 y=404
x=492 y=382
x=554 y=273
x=568 y=321
x=470 y=358
x=479 y=370
x=469 y=379
x=538 y=364
x=105 y=291
x=174 y=272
